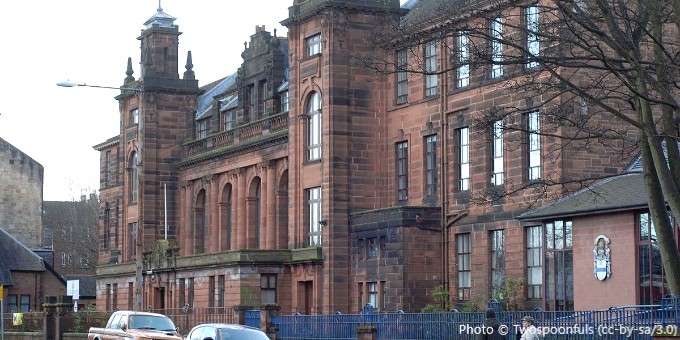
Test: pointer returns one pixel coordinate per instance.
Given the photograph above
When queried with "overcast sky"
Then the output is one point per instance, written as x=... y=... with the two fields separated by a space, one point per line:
x=89 y=41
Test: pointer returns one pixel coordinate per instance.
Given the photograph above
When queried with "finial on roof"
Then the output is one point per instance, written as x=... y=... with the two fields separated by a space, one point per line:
x=275 y=32
x=160 y=9
x=189 y=73
x=129 y=72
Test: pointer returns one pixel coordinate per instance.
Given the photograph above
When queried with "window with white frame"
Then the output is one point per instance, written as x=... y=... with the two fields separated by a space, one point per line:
x=431 y=69
x=314 y=216
x=202 y=128
x=532 y=27
x=109 y=166
x=134 y=177
x=559 y=266
x=314 y=127
x=227 y=120
x=496 y=47
x=464 y=159
x=313 y=44
x=534 y=146
x=402 y=171
x=463 y=56
x=373 y=294
x=463 y=252
x=285 y=102
x=134 y=116
x=497 y=153
x=497 y=254
x=534 y=262
x=402 y=76
x=431 y=165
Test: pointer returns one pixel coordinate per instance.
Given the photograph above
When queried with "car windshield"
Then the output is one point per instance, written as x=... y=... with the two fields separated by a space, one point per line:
x=242 y=334
x=151 y=322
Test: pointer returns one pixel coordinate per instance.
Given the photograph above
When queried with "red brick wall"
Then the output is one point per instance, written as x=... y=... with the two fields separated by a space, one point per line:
x=621 y=288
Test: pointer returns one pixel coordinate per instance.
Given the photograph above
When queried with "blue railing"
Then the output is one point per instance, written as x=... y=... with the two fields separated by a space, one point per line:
x=253 y=318
x=630 y=322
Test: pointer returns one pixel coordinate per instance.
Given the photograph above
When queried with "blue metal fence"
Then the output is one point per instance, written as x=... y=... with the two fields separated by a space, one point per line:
x=253 y=318
x=629 y=322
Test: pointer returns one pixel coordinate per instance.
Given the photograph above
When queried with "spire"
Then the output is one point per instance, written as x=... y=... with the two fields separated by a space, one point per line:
x=189 y=73
x=129 y=72
x=161 y=19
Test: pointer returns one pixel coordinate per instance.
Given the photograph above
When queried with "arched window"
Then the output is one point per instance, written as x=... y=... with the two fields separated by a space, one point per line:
x=314 y=127
x=134 y=178
x=199 y=223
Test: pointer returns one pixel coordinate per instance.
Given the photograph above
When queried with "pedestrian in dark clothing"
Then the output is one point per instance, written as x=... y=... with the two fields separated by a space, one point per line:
x=491 y=327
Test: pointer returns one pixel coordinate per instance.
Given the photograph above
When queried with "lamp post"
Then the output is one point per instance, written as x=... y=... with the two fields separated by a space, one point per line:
x=139 y=279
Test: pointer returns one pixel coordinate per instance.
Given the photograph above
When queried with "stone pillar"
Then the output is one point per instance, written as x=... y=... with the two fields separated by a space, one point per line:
x=188 y=221
x=267 y=314
x=214 y=238
x=365 y=332
x=271 y=206
x=241 y=240
x=240 y=314
x=262 y=241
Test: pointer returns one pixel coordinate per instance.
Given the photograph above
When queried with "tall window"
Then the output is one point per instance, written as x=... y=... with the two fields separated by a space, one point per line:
x=262 y=100
x=227 y=120
x=200 y=223
x=134 y=116
x=653 y=284
x=313 y=45
x=212 y=292
x=372 y=294
x=107 y=170
x=190 y=288
x=314 y=212
x=496 y=48
x=250 y=102
x=402 y=77
x=431 y=68
x=202 y=128
x=134 y=178
x=497 y=253
x=314 y=128
x=463 y=56
x=182 y=292
x=268 y=289
x=132 y=246
x=25 y=303
x=534 y=262
x=464 y=159
x=431 y=165
x=107 y=226
x=559 y=266
x=220 y=291
x=402 y=171
x=533 y=46
x=463 y=251
x=534 y=147
x=285 y=102
x=497 y=153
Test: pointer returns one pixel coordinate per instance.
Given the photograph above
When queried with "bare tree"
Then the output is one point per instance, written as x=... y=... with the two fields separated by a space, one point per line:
x=604 y=74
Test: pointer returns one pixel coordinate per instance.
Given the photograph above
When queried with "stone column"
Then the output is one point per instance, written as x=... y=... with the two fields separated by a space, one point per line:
x=188 y=221
x=241 y=240
x=271 y=206
x=215 y=238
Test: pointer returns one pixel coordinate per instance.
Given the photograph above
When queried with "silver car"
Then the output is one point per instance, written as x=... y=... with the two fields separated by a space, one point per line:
x=225 y=331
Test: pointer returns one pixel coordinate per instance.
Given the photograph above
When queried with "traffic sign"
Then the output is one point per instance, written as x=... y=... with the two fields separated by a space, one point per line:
x=1 y=294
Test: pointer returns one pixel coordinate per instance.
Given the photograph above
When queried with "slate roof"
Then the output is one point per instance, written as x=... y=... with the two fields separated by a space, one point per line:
x=14 y=256
x=623 y=192
x=213 y=89
x=423 y=11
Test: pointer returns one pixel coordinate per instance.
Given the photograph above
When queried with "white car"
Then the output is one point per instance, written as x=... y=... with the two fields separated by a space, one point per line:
x=225 y=331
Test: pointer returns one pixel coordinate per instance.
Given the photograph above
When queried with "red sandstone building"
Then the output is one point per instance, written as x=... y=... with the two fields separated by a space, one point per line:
x=306 y=181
